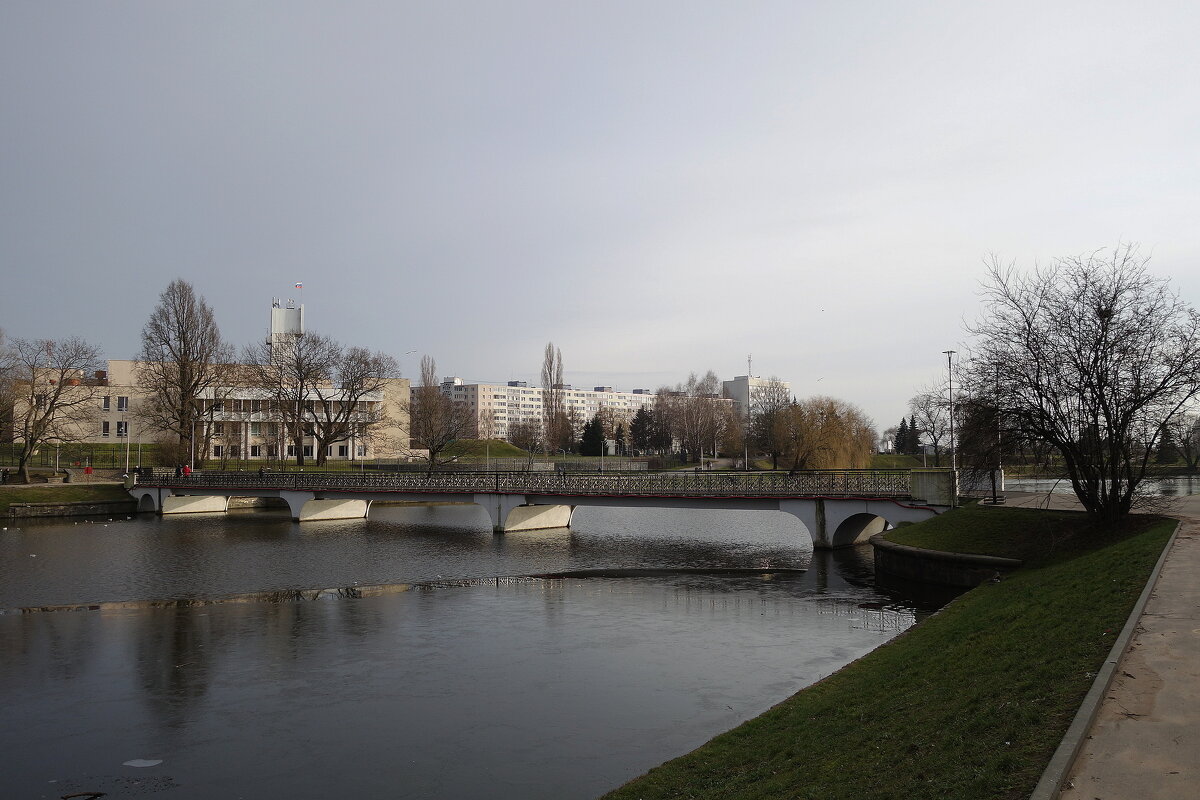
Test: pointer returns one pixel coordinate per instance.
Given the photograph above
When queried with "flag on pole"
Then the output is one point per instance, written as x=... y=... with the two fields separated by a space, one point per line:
x=299 y=284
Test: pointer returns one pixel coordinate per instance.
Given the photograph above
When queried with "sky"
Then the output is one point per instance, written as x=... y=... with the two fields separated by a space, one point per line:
x=657 y=187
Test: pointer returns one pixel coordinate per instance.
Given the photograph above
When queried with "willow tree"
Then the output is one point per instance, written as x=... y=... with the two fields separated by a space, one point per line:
x=828 y=433
x=1093 y=355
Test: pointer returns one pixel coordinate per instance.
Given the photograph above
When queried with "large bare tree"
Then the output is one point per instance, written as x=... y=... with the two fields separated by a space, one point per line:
x=435 y=420
x=697 y=417
x=291 y=371
x=54 y=391
x=1093 y=355
x=768 y=424
x=340 y=408
x=182 y=359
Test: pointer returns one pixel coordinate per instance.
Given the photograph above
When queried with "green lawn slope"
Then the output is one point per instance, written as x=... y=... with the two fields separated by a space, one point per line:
x=969 y=704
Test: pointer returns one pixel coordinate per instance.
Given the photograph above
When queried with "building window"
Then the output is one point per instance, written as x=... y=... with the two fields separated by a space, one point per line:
x=217 y=451
x=255 y=451
x=255 y=428
x=122 y=404
x=218 y=429
x=122 y=428
x=234 y=452
x=105 y=402
x=255 y=406
x=343 y=451
x=308 y=451
x=291 y=450
x=104 y=426
x=362 y=451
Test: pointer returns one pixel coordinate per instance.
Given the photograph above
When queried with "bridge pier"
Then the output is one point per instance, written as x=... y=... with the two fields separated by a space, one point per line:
x=512 y=512
x=194 y=504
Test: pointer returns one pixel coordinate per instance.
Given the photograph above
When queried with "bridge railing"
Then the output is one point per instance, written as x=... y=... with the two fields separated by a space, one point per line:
x=822 y=483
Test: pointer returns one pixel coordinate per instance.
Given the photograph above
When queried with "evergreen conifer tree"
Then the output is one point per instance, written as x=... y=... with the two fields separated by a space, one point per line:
x=592 y=441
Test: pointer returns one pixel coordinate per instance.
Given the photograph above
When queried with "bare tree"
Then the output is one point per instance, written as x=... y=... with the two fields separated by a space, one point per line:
x=527 y=435
x=1185 y=429
x=1094 y=356
x=696 y=417
x=557 y=424
x=8 y=395
x=182 y=358
x=930 y=410
x=55 y=393
x=292 y=371
x=768 y=426
x=340 y=407
x=436 y=420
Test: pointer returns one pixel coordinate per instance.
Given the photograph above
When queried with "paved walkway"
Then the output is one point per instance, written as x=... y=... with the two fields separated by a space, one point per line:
x=1145 y=741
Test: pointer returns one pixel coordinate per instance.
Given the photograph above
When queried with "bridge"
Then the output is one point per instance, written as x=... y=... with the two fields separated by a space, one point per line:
x=838 y=508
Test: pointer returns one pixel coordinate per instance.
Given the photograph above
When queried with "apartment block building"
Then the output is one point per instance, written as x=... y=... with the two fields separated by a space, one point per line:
x=496 y=406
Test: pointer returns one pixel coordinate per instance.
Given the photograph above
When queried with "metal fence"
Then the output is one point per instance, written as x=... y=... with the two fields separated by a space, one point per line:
x=66 y=456
x=825 y=483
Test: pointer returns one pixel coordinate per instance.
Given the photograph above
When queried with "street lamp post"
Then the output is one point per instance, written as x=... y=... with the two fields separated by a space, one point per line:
x=950 y=374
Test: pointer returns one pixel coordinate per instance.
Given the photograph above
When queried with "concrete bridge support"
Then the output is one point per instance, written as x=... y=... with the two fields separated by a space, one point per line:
x=511 y=512
x=307 y=507
x=834 y=523
x=194 y=504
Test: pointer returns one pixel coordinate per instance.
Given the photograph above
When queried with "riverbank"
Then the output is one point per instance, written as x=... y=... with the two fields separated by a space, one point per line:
x=972 y=703
x=61 y=494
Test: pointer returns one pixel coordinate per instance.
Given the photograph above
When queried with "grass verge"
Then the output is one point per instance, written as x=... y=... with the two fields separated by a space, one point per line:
x=66 y=493
x=970 y=703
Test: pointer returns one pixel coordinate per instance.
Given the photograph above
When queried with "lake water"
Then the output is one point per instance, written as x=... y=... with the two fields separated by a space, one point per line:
x=1170 y=487
x=504 y=688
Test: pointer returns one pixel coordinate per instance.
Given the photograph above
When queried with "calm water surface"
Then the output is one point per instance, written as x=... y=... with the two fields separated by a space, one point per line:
x=1169 y=487
x=542 y=689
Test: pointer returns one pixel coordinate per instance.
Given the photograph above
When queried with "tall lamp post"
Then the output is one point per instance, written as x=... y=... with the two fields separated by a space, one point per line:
x=950 y=374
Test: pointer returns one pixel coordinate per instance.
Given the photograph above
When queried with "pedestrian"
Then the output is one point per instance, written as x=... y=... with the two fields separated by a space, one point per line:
x=178 y=470
x=262 y=471
x=187 y=470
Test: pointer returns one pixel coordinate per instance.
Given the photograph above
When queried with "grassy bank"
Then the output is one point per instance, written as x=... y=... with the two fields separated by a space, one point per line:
x=65 y=493
x=969 y=704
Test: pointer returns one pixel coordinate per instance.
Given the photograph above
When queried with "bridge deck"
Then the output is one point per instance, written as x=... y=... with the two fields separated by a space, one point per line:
x=825 y=483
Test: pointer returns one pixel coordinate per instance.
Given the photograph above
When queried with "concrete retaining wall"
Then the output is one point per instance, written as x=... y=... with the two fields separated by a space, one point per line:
x=72 y=509
x=961 y=570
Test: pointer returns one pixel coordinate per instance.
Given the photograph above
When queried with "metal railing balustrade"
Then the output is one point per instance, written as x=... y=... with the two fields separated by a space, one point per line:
x=818 y=483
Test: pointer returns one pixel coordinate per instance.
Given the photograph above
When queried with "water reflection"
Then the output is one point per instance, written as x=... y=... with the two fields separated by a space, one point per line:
x=525 y=688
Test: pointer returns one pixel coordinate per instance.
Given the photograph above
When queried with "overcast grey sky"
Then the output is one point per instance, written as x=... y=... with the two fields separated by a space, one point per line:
x=656 y=187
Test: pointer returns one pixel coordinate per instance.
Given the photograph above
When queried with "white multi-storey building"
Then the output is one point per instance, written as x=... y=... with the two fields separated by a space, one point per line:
x=496 y=406
x=743 y=388
x=243 y=421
